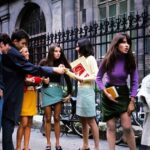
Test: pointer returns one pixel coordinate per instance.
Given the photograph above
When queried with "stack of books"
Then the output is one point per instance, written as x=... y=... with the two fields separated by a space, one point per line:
x=112 y=90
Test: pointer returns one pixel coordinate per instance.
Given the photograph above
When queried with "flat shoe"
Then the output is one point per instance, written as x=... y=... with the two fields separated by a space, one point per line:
x=48 y=147
x=58 y=148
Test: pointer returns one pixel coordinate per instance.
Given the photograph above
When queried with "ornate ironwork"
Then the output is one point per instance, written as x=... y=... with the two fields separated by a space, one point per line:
x=100 y=34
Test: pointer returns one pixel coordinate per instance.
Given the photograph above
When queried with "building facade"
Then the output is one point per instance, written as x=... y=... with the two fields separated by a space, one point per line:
x=39 y=16
x=70 y=19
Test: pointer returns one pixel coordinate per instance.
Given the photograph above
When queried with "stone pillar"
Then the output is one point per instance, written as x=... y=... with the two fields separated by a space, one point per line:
x=56 y=15
x=68 y=14
x=139 y=6
x=4 y=17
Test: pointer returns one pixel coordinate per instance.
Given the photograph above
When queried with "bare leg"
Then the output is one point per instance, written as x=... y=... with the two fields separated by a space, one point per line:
x=111 y=133
x=85 y=131
x=20 y=132
x=95 y=131
x=27 y=133
x=57 y=111
x=48 y=113
x=128 y=131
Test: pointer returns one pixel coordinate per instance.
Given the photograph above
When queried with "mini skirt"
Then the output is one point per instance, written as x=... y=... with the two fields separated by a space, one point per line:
x=111 y=109
x=85 y=106
x=51 y=94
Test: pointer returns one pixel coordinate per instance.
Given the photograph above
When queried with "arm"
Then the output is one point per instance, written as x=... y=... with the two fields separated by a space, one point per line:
x=100 y=75
x=69 y=89
x=100 y=84
x=134 y=87
x=25 y=66
x=134 y=82
x=94 y=70
x=69 y=84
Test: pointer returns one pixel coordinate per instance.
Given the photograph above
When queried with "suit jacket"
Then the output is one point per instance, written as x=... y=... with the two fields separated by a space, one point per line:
x=15 y=67
x=1 y=74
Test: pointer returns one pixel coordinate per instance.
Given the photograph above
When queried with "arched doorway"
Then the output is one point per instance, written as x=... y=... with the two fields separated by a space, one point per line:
x=33 y=22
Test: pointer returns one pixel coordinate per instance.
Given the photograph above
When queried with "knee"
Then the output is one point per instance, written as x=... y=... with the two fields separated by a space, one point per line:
x=92 y=122
x=23 y=125
x=48 y=119
x=111 y=129
x=127 y=130
x=56 y=118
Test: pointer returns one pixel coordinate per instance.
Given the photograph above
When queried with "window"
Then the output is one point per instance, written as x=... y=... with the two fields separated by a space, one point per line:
x=132 y=6
x=102 y=12
x=81 y=5
x=33 y=22
x=122 y=8
x=102 y=0
x=112 y=8
x=83 y=15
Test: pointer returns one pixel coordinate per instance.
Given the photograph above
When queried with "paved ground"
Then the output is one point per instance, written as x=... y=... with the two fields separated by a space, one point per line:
x=69 y=142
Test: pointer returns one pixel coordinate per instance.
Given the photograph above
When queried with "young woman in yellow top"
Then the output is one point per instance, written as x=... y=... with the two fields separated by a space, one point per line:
x=29 y=106
x=85 y=107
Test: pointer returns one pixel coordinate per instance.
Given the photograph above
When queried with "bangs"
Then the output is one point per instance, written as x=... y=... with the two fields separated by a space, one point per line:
x=122 y=37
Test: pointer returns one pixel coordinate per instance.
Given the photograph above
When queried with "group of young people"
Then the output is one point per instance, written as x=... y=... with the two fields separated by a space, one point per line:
x=20 y=78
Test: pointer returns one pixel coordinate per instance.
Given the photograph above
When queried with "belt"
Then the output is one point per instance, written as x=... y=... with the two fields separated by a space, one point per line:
x=53 y=84
x=30 y=88
x=117 y=86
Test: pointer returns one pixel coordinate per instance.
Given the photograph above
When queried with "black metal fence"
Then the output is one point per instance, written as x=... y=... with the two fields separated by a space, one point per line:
x=100 y=34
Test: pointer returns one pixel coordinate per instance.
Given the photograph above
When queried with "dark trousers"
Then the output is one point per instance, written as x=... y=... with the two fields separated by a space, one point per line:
x=1 y=108
x=7 y=132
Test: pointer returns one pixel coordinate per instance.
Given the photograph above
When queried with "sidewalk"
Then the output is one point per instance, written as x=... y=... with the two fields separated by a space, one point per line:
x=37 y=123
x=68 y=142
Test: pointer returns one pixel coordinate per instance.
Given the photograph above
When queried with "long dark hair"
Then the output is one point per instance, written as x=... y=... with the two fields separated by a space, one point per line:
x=50 y=60
x=113 y=53
x=85 y=47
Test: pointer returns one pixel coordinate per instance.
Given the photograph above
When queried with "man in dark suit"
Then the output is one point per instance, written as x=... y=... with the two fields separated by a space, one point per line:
x=3 y=49
x=15 y=67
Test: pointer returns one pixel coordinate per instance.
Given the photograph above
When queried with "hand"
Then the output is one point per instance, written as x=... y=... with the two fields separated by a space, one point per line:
x=80 y=79
x=46 y=80
x=131 y=107
x=67 y=99
x=109 y=96
x=1 y=93
x=59 y=70
x=62 y=65
x=30 y=80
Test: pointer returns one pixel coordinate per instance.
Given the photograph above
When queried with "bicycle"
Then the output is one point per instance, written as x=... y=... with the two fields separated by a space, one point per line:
x=71 y=122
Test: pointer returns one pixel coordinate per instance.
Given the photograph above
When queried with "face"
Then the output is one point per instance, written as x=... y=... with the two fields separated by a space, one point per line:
x=57 y=53
x=24 y=51
x=77 y=47
x=124 y=46
x=4 y=47
x=20 y=44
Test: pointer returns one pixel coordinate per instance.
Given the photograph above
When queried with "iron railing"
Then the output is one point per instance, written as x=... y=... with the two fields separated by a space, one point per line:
x=100 y=34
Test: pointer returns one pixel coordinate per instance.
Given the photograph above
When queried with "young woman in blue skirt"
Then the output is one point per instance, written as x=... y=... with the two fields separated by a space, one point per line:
x=52 y=94
x=85 y=107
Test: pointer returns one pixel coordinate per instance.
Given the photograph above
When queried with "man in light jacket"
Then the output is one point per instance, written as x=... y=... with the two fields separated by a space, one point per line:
x=144 y=96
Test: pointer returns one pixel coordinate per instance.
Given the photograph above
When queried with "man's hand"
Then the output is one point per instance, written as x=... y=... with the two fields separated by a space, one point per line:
x=1 y=93
x=60 y=69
